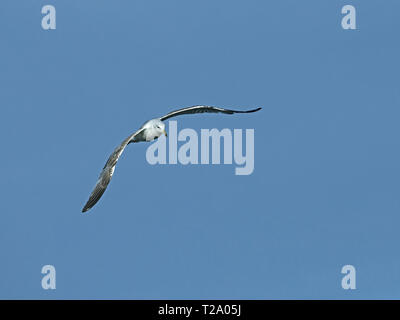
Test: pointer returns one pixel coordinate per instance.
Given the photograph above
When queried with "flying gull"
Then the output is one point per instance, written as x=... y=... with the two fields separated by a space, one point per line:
x=150 y=131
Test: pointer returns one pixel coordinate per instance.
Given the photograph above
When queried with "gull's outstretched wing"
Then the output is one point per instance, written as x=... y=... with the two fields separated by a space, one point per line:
x=107 y=172
x=201 y=109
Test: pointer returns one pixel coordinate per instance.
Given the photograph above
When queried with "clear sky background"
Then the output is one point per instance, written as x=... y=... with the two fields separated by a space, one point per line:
x=324 y=192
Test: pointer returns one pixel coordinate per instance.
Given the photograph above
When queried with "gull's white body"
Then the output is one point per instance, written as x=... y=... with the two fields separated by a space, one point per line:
x=153 y=129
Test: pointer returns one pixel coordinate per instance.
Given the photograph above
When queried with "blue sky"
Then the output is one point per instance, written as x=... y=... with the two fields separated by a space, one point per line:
x=324 y=192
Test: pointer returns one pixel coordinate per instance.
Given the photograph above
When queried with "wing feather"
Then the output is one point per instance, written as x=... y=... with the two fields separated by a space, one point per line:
x=202 y=109
x=107 y=172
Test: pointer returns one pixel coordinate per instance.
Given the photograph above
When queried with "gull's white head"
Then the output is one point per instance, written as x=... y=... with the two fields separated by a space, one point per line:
x=154 y=129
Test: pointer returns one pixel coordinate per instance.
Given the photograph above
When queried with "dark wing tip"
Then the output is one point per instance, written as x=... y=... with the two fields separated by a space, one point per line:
x=91 y=202
x=88 y=206
x=95 y=196
x=242 y=111
x=253 y=110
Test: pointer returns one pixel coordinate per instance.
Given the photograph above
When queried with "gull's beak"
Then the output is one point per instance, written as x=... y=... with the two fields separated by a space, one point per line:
x=165 y=132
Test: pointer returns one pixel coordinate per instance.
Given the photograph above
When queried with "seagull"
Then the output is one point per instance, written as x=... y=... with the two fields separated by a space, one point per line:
x=149 y=131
